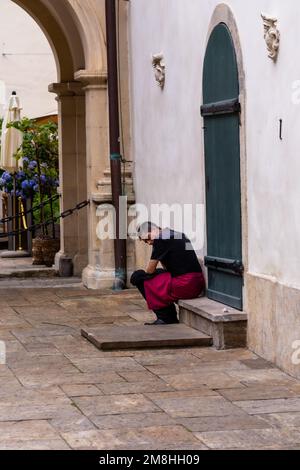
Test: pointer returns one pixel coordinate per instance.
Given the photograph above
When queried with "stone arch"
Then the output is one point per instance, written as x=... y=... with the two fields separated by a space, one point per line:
x=49 y=16
x=90 y=20
x=224 y=14
x=76 y=32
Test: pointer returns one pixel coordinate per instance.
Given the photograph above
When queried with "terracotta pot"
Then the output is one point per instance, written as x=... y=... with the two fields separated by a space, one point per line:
x=37 y=251
x=50 y=248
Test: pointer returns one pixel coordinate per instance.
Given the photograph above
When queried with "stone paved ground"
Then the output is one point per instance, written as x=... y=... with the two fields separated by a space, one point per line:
x=57 y=391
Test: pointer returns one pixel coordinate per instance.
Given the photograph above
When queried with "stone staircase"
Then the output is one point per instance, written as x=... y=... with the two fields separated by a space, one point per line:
x=226 y=326
x=104 y=192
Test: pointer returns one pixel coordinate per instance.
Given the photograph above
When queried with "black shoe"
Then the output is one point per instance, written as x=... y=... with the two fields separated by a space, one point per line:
x=156 y=322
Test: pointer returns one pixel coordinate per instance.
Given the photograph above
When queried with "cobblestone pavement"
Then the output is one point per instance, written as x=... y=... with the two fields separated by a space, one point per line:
x=57 y=391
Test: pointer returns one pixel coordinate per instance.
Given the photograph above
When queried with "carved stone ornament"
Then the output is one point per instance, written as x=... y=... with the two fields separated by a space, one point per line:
x=160 y=69
x=271 y=35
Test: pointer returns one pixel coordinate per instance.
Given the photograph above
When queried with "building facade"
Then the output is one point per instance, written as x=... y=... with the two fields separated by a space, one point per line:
x=258 y=177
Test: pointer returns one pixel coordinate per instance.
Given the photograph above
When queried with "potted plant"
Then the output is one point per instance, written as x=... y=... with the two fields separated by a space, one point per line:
x=38 y=180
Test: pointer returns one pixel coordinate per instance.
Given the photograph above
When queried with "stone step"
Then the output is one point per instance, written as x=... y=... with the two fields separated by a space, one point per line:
x=40 y=283
x=141 y=336
x=128 y=171
x=226 y=326
x=19 y=273
x=107 y=182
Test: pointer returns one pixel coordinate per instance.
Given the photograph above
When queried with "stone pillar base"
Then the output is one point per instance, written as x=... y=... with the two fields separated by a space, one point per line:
x=94 y=278
x=79 y=262
x=58 y=256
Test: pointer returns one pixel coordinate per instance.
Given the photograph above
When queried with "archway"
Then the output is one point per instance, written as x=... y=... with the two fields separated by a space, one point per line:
x=223 y=112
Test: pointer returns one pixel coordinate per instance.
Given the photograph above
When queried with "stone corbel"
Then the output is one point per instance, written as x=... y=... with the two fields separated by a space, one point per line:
x=271 y=35
x=159 y=69
x=66 y=89
x=92 y=78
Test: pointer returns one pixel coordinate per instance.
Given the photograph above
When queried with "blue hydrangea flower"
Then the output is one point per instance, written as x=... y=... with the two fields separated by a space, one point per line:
x=32 y=165
x=7 y=177
x=25 y=185
x=20 y=175
x=43 y=179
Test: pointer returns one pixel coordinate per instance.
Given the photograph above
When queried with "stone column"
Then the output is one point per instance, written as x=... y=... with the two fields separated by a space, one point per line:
x=72 y=162
x=100 y=270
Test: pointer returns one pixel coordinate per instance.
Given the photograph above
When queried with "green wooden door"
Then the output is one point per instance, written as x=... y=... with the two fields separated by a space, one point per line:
x=221 y=113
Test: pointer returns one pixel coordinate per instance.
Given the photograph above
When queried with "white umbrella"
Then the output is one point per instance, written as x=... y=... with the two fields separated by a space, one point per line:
x=12 y=138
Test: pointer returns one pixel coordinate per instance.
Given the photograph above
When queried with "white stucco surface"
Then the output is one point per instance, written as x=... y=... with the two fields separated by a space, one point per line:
x=167 y=126
x=26 y=62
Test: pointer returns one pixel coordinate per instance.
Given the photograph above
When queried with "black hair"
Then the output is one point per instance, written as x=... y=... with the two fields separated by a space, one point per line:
x=146 y=228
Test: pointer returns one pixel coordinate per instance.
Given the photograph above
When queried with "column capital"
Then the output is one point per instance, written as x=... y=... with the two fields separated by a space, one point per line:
x=92 y=78
x=66 y=89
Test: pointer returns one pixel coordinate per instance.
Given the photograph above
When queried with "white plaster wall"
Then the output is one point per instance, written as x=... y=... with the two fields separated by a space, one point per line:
x=26 y=61
x=167 y=127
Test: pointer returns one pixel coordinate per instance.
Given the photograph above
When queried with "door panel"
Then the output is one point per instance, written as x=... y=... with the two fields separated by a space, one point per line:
x=220 y=74
x=222 y=167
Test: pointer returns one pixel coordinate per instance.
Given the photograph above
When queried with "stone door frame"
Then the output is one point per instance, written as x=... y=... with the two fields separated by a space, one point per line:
x=223 y=14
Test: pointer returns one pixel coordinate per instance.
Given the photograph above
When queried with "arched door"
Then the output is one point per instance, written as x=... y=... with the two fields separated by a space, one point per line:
x=221 y=113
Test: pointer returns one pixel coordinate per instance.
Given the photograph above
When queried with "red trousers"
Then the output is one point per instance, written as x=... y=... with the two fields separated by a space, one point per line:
x=163 y=290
